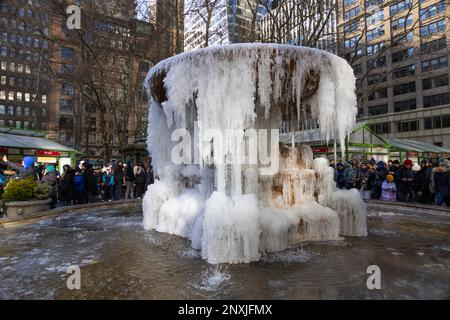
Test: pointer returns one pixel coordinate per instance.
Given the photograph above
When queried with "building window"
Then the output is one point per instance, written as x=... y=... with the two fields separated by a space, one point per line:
x=377 y=47
x=402 y=55
x=404 y=71
x=378 y=94
x=380 y=128
x=375 y=33
x=435 y=82
x=407 y=126
x=378 y=110
x=11 y=96
x=437 y=122
x=436 y=100
x=2 y=95
x=352 y=27
x=18 y=124
x=93 y=123
x=405 y=88
x=10 y=110
x=376 y=78
x=67 y=53
x=432 y=10
x=3 y=80
x=19 y=96
x=65 y=104
x=66 y=122
x=403 y=38
x=400 y=6
x=434 y=45
x=351 y=13
x=401 y=23
x=19 y=111
x=435 y=63
x=67 y=90
x=405 y=105
x=350 y=43
x=2 y=109
x=348 y=2
x=44 y=99
x=432 y=28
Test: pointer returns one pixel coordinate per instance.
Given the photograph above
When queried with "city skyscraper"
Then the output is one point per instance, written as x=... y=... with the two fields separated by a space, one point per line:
x=219 y=22
x=399 y=52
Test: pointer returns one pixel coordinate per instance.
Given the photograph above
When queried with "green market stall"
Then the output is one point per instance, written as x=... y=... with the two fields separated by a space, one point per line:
x=17 y=143
x=364 y=144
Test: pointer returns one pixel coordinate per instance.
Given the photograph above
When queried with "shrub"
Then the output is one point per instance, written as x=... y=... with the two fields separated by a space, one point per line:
x=42 y=191
x=25 y=190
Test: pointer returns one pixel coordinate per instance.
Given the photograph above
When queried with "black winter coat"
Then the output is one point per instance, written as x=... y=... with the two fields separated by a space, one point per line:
x=442 y=181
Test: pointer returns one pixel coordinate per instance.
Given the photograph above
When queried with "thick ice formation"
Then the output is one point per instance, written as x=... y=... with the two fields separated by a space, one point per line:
x=224 y=181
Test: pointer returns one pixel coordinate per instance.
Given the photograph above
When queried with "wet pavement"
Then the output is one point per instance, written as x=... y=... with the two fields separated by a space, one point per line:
x=119 y=260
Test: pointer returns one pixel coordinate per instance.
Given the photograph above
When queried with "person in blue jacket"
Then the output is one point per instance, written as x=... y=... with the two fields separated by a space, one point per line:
x=108 y=183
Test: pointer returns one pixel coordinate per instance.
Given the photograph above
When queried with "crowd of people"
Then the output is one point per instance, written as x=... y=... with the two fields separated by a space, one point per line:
x=394 y=181
x=86 y=183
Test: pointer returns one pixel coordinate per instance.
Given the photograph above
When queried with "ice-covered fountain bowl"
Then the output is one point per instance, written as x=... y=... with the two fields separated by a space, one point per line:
x=224 y=179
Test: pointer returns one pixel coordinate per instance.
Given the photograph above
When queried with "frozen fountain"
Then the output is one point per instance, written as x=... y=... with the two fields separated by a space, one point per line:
x=224 y=181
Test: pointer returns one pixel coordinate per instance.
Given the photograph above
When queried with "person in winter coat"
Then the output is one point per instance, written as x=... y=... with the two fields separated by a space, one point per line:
x=119 y=179
x=49 y=177
x=140 y=179
x=389 y=190
x=108 y=183
x=26 y=170
x=90 y=184
x=129 y=180
x=377 y=179
x=339 y=175
x=80 y=184
x=404 y=178
x=363 y=181
x=350 y=175
x=441 y=179
x=422 y=183
x=66 y=188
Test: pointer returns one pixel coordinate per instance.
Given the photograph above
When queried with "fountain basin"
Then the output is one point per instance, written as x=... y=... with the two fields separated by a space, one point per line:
x=225 y=181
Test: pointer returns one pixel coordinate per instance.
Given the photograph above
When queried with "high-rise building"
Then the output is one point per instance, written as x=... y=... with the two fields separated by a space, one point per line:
x=303 y=23
x=399 y=52
x=84 y=89
x=24 y=90
x=219 y=23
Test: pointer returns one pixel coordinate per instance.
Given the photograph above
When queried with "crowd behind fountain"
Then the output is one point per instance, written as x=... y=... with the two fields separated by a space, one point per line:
x=87 y=182
x=423 y=182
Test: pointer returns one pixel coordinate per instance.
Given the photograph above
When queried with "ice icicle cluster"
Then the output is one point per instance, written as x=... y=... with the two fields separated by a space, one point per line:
x=229 y=210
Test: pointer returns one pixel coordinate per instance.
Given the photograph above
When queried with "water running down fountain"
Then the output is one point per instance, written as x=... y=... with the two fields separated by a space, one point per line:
x=225 y=196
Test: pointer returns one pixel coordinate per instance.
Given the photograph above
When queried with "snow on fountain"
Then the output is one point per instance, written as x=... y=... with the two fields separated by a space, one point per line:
x=234 y=211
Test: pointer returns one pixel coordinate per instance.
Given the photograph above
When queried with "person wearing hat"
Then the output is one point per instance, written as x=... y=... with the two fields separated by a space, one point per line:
x=441 y=180
x=404 y=178
x=394 y=166
x=422 y=183
x=350 y=175
x=363 y=181
x=339 y=175
x=389 y=189
x=49 y=177
x=378 y=178
x=26 y=170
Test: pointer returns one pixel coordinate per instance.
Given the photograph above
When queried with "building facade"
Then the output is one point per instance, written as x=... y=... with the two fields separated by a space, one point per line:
x=222 y=22
x=85 y=91
x=24 y=89
x=399 y=52
x=303 y=23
